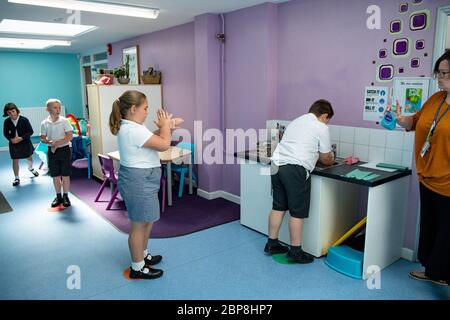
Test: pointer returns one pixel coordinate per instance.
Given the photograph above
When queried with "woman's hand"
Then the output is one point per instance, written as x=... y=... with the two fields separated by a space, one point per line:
x=404 y=121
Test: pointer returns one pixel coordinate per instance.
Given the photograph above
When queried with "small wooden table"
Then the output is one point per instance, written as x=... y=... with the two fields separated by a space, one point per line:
x=172 y=155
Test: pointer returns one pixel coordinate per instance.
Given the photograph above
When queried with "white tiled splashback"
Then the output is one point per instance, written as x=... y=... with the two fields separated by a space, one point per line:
x=374 y=145
x=369 y=145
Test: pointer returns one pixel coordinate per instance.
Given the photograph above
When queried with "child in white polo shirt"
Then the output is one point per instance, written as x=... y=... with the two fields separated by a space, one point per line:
x=56 y=132
x=305 y=141
x=140 y=173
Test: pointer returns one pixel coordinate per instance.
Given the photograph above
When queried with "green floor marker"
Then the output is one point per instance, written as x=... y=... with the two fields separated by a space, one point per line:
x=281 y=258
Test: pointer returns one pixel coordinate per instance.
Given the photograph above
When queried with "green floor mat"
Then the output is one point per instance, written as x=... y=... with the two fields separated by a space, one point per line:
x=281 y=258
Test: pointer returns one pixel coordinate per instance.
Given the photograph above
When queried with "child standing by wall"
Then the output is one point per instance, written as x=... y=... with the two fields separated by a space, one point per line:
x=56 y=132
x=17 y=129
x=140 y=173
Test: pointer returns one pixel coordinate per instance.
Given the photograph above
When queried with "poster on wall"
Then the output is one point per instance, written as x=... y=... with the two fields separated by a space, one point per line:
x=411 y=93
x=375 y=102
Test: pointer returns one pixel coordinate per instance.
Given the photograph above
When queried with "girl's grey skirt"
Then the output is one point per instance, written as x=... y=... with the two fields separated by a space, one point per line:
x=139 y=189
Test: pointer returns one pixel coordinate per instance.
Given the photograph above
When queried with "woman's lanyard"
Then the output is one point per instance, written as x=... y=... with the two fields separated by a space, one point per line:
x=435 y=122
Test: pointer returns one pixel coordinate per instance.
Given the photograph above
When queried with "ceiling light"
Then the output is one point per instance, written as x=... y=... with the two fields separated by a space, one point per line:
x=98 y=6
x=31 y=43
x=44 y=28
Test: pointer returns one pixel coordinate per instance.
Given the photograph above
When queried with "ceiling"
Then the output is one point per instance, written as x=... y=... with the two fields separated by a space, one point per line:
x=112 y=28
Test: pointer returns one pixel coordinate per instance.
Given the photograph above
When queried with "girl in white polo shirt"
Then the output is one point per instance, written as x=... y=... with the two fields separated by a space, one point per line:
x=140 y=173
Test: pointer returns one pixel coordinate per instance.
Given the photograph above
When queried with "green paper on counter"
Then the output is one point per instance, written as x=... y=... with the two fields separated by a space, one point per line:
x=391 y=166
x=361 y=175
x=371 y=177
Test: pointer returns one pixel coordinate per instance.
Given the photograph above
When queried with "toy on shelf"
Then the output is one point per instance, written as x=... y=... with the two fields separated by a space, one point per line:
x=74 y=123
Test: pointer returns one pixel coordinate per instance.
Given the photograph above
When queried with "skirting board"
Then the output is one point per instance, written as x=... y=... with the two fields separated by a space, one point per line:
x=407 y=254
x=218 y=194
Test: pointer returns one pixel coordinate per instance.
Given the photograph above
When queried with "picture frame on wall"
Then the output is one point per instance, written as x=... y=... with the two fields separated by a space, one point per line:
x=133 y=53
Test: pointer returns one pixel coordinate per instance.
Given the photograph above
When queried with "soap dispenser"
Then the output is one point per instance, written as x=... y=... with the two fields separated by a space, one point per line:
x=389 y=120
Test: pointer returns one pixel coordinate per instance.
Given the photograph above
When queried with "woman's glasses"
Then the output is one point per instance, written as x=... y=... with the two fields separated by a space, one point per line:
x=442 y=75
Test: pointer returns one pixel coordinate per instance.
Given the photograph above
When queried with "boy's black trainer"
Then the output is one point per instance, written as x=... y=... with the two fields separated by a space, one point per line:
x=300 y=257
x=274 y=249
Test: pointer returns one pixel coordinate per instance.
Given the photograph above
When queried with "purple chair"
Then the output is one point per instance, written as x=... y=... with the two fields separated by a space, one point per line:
x=110 y=175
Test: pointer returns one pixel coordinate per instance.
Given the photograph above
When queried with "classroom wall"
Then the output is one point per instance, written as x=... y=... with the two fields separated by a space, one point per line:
x=29 y=79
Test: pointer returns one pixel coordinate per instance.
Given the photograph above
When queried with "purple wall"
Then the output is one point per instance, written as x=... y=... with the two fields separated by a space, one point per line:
x=250 y=75
x=172 y=52
x=278 y=60
x=207 y=75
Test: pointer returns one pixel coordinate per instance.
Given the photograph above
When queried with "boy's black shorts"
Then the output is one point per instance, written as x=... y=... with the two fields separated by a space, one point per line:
x=291 y=190
x=60 y=162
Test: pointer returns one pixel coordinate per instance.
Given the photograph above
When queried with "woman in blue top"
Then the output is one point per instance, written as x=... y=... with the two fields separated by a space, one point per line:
x=140 y=173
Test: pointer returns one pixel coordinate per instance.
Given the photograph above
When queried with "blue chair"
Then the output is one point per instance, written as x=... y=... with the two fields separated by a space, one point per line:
x=81 y=153
x=183 y=170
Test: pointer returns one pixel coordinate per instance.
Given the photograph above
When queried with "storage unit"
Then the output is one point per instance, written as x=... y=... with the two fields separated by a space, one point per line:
x=101 y=98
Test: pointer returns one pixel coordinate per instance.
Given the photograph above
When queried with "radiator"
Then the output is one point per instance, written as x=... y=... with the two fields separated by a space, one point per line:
x=36 y=116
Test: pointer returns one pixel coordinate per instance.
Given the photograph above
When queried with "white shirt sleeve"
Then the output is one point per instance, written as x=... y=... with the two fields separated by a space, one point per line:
x=66 y=125
x=324 y=140
x=140 y=135
x=43 y=129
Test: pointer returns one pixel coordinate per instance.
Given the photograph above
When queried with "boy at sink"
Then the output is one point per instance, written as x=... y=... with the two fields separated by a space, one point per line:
x=306 y=140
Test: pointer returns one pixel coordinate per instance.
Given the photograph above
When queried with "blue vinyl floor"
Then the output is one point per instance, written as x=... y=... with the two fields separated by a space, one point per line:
x=226 y=262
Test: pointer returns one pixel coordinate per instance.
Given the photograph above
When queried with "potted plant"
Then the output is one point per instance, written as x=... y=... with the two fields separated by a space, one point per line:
x=122 y=73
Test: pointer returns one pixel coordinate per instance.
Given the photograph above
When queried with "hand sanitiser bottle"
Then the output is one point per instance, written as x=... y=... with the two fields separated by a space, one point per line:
x=389 y=120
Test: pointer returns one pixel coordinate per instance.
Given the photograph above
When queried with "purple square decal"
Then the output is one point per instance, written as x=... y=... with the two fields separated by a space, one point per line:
x=396 y=26
x=415 y=62
x=403 y=7
x=401 y=70
x=418 y=21
x=420 y=44
x=382 y=53
x=401 y=46
x=386 y=72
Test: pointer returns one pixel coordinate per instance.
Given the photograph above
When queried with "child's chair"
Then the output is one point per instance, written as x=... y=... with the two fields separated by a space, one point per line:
x=183 y=170
x=42 y=151
x=110 y=175
x=83 y=160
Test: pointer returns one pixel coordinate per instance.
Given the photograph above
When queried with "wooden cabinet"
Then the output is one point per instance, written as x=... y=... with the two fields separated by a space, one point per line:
x=101 y=98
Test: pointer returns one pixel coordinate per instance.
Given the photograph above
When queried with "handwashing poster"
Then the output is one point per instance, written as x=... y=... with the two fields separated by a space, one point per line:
x=411 y=93
x=375 y=102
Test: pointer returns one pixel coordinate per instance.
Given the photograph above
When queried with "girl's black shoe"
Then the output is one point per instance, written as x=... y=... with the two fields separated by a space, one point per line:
x=56 y=202
x=146 y=273
x=66 y=201
x=154 y=260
